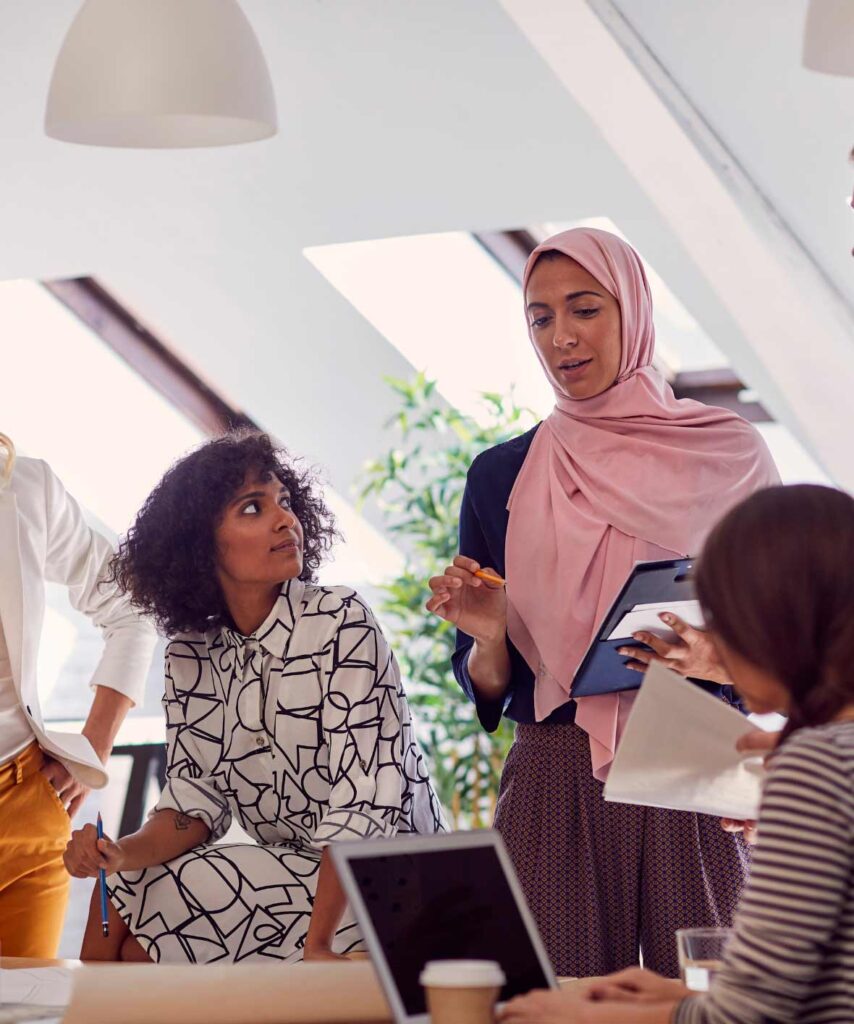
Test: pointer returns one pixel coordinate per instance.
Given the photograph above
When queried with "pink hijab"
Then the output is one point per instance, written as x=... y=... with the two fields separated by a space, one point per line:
x=629 y=475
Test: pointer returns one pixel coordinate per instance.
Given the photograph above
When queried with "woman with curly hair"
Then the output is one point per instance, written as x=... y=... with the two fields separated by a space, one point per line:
x=284 y=708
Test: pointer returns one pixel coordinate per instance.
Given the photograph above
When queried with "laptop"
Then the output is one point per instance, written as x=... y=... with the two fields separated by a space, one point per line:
x=440 y=897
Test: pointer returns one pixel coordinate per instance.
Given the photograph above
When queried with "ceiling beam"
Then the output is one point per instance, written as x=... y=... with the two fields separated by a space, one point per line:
x=509 y=249
x=798 y=325
x=149 y=356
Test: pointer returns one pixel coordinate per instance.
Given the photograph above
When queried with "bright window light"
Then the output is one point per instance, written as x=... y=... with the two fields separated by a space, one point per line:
x=109 y=436
x=68 y=399
x=364 y=558
x=448 y=308
x=451 y=310
x=795 y=464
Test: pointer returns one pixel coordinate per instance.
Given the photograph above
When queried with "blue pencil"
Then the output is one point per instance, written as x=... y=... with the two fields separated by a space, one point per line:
x=102 y=885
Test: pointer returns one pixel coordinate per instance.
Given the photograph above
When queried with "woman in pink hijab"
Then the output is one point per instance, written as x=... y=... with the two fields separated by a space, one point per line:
x=619 y=472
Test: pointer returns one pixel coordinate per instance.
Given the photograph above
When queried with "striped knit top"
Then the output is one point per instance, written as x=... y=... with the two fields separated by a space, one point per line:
x=792 y=955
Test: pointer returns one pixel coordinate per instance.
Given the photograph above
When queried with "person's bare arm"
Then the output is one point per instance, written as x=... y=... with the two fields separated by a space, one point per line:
x=106 y=715
x=165 y=835
x=489 y=668
x=329 y=905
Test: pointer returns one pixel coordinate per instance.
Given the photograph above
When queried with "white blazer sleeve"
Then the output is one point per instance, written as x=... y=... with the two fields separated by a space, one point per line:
x=77 y=556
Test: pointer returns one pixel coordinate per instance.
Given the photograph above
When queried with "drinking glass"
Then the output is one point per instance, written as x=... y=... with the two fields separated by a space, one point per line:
x=701 y=953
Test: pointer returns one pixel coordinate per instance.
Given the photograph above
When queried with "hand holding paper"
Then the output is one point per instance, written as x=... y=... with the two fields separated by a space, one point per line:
x=679 y=751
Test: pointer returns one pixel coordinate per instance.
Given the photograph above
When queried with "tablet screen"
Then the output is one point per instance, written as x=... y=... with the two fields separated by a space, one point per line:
x=443 y=905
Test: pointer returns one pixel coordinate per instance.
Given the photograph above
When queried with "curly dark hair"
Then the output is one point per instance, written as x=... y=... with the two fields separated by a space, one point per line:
x=167 y=562
x=776 y=584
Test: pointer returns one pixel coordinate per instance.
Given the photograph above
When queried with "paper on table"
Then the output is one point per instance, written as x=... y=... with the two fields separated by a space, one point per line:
x=36 y=986
x=228 y=994
x=645 y=616
x=678 y=751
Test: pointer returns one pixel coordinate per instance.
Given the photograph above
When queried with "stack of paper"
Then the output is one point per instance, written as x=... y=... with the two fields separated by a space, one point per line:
x=678 y=751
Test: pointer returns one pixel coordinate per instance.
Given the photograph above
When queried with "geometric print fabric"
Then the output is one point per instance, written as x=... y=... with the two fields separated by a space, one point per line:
x=609 y=883
x=303 y=732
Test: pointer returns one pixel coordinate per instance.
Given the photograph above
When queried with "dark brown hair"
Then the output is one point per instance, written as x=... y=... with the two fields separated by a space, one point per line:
x=549 y=256
x=776 y=582
x=167 y=561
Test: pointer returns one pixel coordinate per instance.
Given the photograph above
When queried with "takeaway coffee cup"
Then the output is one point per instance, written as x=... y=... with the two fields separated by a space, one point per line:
x=462 y=991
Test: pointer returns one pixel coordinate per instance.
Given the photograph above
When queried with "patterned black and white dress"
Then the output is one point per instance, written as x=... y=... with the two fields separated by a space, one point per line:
x=302 y=731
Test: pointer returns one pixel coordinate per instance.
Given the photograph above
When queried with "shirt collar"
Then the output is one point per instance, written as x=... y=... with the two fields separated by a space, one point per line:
x=275 y=631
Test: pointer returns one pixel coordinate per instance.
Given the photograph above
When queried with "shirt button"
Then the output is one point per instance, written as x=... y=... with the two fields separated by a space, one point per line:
x=260 y=742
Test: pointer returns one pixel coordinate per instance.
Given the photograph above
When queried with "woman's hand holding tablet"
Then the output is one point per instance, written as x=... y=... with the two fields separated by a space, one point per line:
x=693 y=654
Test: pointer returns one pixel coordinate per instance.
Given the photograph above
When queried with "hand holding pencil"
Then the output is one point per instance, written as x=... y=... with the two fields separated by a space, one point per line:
x=87 y=853
x=472 y=597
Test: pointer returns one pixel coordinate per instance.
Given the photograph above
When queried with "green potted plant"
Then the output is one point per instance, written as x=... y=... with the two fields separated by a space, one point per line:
x=418 y=486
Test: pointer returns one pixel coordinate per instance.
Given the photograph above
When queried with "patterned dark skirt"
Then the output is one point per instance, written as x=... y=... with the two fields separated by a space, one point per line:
x=609 y=883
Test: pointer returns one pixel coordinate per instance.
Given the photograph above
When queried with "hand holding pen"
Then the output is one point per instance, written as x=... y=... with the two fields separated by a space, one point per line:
x=87 y=853
x=472 y=597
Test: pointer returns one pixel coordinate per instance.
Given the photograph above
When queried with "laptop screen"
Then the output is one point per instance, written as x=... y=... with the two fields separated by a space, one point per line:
x=443 y=905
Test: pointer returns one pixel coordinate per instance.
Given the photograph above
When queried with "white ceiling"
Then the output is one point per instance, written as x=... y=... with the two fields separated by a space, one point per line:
x=396 y=117
x=790 y=128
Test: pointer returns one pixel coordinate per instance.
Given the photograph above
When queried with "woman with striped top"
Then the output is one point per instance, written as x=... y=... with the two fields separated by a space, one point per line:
x=776 y=581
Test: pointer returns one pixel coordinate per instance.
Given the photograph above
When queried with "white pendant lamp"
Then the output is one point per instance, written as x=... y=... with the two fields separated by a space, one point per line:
x=829 y=37
x=160 y=74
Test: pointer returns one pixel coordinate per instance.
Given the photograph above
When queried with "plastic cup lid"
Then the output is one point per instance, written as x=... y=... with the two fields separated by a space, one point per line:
x=462 y=973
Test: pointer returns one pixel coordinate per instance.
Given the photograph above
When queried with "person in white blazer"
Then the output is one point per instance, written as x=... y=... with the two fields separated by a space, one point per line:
x=44 y=774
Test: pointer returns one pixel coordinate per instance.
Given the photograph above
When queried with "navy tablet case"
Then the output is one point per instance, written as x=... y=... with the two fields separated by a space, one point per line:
x=603 y=670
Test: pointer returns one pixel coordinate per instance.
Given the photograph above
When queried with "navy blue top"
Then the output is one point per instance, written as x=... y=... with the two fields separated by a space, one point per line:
x=483 y=532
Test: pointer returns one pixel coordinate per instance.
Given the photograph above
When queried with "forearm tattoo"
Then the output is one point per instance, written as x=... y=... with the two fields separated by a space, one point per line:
x=182 y=821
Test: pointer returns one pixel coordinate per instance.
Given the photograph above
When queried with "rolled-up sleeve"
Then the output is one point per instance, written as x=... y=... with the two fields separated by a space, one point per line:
x=190 y=788
x=79 y=557
x=361 y=724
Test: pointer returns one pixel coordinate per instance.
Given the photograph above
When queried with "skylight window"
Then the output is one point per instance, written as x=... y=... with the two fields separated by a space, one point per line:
x=67 y=398
x=110 y=436
x=452 y=310
x=448 y=308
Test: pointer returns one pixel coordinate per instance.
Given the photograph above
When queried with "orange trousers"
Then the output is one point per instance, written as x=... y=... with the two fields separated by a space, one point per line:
x=34 y=828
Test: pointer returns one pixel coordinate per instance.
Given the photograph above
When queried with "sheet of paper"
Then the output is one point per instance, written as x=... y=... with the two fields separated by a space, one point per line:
x=316 y=993
x=645 y=616
x=36 y=986
x=678 y=751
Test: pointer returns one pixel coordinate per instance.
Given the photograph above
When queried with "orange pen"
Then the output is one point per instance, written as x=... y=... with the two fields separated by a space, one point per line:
x=490 y=578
